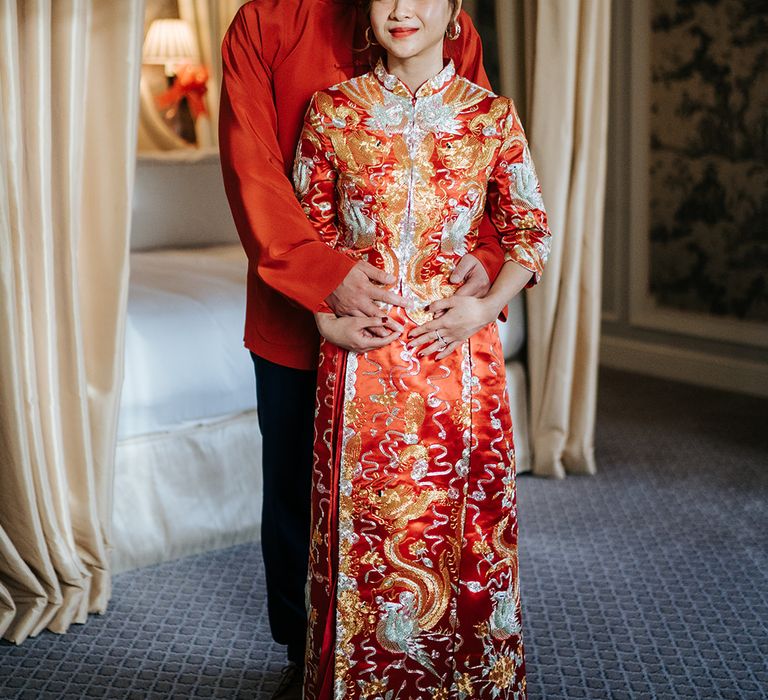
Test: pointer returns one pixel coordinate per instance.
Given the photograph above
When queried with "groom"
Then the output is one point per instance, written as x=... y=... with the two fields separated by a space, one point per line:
x=276 y=54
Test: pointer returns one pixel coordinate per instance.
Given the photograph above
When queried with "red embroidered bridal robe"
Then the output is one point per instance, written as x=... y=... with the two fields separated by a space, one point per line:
x=413 y=574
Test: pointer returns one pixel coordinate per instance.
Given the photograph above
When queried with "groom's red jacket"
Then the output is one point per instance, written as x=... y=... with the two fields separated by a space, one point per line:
x=276 y=55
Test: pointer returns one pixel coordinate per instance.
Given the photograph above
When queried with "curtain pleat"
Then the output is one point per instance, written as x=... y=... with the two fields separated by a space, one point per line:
x=567 y=123
x=69 y=74
x=510 y=39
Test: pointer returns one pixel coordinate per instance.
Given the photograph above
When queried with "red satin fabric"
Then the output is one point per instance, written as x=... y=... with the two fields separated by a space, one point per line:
x=435 y=556
x=413 y=575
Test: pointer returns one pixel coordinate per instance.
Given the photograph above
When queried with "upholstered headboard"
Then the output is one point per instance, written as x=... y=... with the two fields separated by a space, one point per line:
x=179 y=201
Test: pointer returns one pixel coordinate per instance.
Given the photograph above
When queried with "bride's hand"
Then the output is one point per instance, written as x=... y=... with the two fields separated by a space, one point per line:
x=456 y=319
x=358 y=333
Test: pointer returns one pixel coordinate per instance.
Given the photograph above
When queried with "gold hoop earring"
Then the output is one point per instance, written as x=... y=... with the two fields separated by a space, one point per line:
x=368 y=41
x=454 y=31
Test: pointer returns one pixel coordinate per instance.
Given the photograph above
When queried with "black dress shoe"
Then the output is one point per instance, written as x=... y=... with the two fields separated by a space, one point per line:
x=291 y=682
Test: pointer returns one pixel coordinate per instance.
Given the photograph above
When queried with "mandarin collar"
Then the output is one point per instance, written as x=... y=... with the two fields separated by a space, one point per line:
x=434 y=85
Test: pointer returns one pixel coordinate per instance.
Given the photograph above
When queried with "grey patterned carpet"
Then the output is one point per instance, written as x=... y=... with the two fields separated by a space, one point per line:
x=649 y=580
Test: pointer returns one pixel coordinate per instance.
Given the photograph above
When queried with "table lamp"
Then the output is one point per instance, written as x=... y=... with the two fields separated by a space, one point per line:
x=171 y=43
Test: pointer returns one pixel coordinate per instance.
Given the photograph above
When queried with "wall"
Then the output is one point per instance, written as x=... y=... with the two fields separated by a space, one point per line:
x=159 y=9
x=709 y=158
x=685 y=242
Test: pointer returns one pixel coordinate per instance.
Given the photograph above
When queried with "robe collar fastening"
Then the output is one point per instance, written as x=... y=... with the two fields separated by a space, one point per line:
x=432 y=86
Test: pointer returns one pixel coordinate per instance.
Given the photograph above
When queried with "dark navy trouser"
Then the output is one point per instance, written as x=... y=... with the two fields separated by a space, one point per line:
x=286 y=407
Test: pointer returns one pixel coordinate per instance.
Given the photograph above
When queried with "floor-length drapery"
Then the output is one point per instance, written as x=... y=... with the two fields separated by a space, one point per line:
x=564 y=56
x=69 y=78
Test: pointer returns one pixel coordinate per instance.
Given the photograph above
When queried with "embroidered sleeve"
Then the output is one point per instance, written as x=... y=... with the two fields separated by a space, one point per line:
x=314 y=170
x=514 y=198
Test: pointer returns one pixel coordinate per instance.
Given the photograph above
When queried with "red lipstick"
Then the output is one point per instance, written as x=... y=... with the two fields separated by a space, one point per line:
x=401 y=32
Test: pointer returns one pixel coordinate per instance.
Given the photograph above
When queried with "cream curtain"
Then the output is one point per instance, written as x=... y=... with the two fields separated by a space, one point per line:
x=555 y=60
x=69 y=78
x=209 y=20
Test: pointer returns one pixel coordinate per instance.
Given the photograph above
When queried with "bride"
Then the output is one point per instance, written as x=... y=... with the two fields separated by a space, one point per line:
x=413 y=587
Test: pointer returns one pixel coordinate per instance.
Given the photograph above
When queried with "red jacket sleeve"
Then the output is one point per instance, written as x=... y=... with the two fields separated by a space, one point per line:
x=282 y=246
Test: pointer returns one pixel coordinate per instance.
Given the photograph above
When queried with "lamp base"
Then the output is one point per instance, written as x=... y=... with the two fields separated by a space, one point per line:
x=184 y=123
x=179 y=119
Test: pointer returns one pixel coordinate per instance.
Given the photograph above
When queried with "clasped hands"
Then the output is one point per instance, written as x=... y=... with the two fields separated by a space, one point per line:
x=358 y=324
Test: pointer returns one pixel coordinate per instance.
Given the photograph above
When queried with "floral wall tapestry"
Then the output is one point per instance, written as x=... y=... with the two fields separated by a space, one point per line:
x=709 y=156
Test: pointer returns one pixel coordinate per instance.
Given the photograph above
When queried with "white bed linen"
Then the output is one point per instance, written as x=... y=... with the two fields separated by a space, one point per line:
x=185 y=361
x=187 y=491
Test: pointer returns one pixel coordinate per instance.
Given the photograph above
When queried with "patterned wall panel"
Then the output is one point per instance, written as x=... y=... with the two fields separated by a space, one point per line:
x=709 y=156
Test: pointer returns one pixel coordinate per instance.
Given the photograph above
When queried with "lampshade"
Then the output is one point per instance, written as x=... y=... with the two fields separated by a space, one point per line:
x=169 y=42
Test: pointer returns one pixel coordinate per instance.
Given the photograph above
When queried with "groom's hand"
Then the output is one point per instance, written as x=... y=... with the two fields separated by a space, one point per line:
x=472 y=277
x=360 y=289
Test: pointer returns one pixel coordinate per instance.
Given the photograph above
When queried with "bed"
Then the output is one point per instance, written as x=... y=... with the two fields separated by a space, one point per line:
x=188 y=469
x=188 y=465
x=187 y=476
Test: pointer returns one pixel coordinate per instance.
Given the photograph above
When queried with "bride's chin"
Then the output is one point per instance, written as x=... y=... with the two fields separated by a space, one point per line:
x=402 y=54
x=402 y=49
